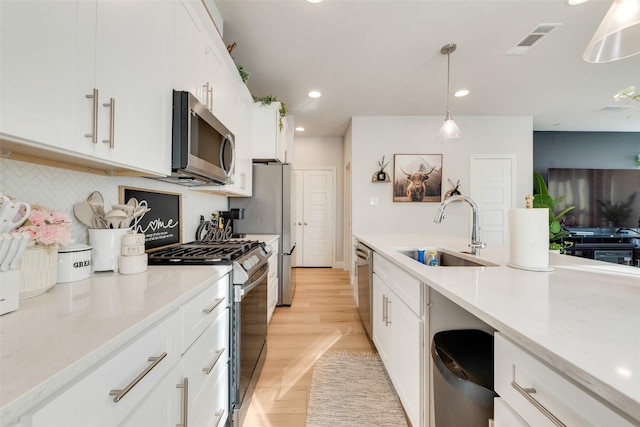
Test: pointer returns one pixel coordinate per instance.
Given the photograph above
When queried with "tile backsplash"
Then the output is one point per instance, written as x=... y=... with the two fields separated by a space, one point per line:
x=60 y=189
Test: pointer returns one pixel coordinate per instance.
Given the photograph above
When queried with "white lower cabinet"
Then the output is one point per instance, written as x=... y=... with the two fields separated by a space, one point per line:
x=176 y=371
x=541 y=396
x=113 y=390
x=398 y=333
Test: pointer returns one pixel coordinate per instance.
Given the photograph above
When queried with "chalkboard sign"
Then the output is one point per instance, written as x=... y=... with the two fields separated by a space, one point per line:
x=162 y=224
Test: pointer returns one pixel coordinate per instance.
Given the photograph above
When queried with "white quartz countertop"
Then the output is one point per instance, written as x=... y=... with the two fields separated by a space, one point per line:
x=56 y=336
x=583 y=317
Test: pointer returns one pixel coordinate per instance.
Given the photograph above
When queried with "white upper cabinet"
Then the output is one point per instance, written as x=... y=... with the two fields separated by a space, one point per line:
x=47 y=67
x=202 y=66
x=133 y=69
x=63 y=61
x=269 y=132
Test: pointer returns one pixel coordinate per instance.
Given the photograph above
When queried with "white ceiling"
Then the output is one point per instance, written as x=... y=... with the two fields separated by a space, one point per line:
x=382 y=57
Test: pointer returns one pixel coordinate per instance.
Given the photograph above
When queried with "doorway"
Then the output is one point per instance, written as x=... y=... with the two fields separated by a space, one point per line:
x=493 y=189
x=314 y=216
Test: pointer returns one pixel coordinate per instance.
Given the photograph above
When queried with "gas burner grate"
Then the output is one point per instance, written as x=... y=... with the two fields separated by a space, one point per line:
x=199 y=252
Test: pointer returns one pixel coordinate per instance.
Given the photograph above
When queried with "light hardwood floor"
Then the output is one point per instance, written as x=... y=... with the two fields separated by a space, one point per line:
x=322 y=317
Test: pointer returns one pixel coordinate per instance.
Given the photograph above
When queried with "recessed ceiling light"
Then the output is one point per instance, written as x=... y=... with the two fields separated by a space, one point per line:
x=461 y=93
x=576 y=2
x=314 y=94
x=318 y=1
x=300 y=129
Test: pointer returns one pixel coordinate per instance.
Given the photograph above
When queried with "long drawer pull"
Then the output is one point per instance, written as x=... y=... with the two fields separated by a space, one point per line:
x=119 y=394
x=527 y=394
x=209 y=368
x=387 y=321
x=184 y=385
x=213 y=307
x=218 y=415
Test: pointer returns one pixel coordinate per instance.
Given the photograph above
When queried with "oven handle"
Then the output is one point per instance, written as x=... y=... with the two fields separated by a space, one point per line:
x=247 y=288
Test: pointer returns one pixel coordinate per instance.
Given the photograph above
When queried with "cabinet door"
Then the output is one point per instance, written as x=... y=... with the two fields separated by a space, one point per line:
x=407 y=372
x=48 y=58
x=268 y=137
x=133 y=72
x=380 y=325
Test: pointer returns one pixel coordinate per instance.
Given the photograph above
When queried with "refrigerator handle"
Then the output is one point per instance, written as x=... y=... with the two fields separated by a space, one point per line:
x=291 y=251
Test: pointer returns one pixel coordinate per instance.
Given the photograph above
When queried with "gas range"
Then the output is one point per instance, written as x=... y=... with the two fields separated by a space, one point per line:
x=245 y=256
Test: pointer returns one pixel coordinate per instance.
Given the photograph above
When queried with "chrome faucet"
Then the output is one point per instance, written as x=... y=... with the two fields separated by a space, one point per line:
x=476 y=244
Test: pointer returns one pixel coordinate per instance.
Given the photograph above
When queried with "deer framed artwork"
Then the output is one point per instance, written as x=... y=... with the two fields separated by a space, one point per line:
x=417 y=178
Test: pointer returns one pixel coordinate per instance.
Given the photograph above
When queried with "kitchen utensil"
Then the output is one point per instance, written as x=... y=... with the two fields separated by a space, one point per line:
x=21 y=249
x=84 y=213
x=13 y=214
x=5 y=242
x=96 y=201
x=16 y=238
x=116 y=218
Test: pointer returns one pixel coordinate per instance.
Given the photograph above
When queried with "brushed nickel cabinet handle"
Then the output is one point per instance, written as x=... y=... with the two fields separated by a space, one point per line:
x=209 y=368
x=388 y=320
x=184 y=385
x=218 y=415
x=213 y=307
x=112 y=117
x=119 y=394
x=527 y=394
x=94 y=127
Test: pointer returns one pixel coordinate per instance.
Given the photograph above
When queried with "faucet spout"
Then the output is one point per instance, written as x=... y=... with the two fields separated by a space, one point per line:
x=476 y=244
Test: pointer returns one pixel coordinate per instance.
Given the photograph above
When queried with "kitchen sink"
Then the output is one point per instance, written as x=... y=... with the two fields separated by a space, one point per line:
x=448 y=259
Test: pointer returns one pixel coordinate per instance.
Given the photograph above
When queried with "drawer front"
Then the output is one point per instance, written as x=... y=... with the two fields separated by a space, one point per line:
x=201 y=311
x=504 y=416
x=212 y=407
x=531 y=387
x=407 y=287
x=88 y=402
x=208 y=356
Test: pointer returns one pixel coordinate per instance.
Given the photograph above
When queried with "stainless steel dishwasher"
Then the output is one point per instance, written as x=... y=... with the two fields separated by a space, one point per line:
x=364 y=274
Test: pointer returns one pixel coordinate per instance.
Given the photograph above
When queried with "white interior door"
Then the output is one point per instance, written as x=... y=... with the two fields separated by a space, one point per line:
x=492 y=188
x=315 y=223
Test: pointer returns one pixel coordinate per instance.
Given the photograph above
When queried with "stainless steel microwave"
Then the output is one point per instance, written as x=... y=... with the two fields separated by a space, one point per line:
x=203 y=149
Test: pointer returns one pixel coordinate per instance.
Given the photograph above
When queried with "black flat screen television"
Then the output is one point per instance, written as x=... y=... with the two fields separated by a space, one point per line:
x=605 y=198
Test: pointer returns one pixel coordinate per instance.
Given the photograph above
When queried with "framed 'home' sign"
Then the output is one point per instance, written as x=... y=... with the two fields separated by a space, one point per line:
x=161 y=225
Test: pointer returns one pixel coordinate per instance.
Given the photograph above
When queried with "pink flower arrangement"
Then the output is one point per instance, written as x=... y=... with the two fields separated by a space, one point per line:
x=47 y=227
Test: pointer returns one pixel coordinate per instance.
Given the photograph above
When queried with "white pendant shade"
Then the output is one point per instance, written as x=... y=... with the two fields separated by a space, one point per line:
x=449 y=132
x=618 y=35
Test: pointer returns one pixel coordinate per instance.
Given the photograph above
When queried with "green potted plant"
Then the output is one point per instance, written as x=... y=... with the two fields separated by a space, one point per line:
x=267 y=100
x=542 y=199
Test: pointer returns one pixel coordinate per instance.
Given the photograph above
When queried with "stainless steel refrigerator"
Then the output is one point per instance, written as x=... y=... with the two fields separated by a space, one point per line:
x=269 y=212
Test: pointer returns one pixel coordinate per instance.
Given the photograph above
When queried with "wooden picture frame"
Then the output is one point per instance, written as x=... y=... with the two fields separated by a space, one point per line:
x=162 y=224
x=417 y=178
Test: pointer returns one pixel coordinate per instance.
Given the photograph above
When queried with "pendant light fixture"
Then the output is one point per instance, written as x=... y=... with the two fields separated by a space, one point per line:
x=618 y=35
x=449 y=132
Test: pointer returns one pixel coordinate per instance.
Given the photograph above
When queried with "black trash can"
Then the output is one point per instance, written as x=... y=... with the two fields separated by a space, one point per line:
x=463 y=378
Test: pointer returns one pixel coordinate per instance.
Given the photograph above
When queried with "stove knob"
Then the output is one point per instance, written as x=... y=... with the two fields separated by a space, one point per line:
x=247 y=264
x=268 y=249
x=255 y=259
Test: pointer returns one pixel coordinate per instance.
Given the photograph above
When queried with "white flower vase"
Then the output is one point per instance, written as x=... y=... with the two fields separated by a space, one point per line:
x=38 y=270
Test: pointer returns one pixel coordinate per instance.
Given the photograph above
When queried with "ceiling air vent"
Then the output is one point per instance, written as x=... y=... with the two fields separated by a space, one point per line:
x=531 y=39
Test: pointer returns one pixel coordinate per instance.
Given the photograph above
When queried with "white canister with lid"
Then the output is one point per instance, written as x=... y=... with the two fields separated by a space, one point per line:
x=74 y=262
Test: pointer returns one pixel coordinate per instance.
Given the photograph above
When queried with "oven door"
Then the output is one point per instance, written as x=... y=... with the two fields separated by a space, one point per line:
x=250 y=337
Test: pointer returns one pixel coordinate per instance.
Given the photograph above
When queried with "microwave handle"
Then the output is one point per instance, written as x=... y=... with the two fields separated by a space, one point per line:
x=228 y=139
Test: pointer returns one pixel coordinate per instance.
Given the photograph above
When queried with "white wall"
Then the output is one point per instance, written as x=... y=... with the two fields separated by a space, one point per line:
x=373 y=137
x=60 y=189
x=326 y=152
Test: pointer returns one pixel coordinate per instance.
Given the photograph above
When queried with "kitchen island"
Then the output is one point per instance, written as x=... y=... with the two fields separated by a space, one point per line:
x=582 y=318
x=71 y=330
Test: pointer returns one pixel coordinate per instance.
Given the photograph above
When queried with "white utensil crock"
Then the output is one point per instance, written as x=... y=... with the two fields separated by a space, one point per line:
x=105 y=250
